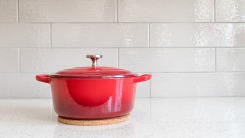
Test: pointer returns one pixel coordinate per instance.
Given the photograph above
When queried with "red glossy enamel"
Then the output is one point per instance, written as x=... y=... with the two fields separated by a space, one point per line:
x=94 y=72
x=92 y=99
x=93 y=92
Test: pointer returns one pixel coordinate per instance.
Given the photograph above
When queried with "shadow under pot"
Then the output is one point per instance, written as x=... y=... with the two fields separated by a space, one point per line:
x=95 y=92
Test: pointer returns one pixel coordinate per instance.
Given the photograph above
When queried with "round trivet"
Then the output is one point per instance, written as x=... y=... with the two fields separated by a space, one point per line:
x=98 y=122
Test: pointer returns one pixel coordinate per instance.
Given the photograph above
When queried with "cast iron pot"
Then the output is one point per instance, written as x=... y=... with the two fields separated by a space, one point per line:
x=93 y=92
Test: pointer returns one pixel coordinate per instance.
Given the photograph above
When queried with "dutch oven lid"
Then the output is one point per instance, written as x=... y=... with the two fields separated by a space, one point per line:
x=94 y=71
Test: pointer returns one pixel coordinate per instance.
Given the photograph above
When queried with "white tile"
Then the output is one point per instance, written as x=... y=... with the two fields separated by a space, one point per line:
x=167 y=59
x=24 y=35
x=53 y=60
x=143 y=88
x=230 y=59
x=22 y=85
x=100 y=35
x=197 y=84
x=165 y=10
x=8 y=60
x=230 y=10
x=67 y=11
x=197 y=35
x=8 y=10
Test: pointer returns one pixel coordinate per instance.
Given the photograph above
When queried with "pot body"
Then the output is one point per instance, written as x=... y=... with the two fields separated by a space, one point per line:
x=92 y=98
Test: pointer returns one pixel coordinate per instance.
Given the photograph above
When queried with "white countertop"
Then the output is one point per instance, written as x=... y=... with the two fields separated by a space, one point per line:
x=155 y=117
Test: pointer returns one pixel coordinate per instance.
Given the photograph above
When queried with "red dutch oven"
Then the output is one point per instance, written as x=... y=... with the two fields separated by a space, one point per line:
x=93 y=92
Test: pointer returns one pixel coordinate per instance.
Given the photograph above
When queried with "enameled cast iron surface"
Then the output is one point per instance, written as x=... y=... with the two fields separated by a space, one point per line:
x=93 y=92
x=92 y=98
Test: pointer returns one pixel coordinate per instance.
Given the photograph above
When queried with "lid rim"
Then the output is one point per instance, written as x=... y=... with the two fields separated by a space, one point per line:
x=101 y=72
x=93 y=77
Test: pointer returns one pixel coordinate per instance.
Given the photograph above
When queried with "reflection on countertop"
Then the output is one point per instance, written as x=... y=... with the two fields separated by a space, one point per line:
x=151 y=117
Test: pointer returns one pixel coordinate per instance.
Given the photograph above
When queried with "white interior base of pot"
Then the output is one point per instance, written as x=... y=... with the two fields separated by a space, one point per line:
x=97 y=122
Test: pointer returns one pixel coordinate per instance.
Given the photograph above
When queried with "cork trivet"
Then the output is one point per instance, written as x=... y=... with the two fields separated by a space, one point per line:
x=94 y=122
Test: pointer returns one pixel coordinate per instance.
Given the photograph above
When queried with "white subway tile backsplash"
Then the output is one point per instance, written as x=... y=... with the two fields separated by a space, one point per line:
x=230 y=59
x=167 y=59
x=197 y=35
x=8 y=60
x=143 y=88
x=24 y=35
x=192 y=47
x=100 y=35
x=197 y=84
x=22 y=85
x=230 y=10
x=67 y=11
x=165 y=10
x=53 y=60
x=8 y=10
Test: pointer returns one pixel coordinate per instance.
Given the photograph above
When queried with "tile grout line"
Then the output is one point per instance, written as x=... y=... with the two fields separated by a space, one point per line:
x=126 y=22
x=214 y=10
x=129 y=47
x=117 y=10
x=50 y=35
x=18 y=11
x=149 y=35
x=210 y=72
x=240 y=22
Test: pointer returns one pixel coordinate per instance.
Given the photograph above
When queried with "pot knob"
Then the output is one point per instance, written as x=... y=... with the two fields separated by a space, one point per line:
x=94 y=59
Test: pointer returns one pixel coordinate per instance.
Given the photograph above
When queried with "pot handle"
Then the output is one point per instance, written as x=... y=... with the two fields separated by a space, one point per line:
x=43 y=78
x=141 y=78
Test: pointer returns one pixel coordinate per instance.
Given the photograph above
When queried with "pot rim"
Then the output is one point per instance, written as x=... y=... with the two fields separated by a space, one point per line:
x=94 y=77
x=47 y=78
